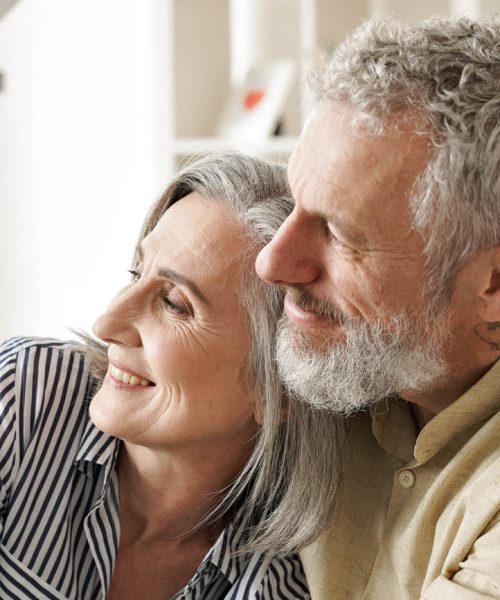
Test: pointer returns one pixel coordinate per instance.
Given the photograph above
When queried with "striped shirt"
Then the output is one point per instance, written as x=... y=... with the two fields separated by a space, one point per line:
x=59 y=508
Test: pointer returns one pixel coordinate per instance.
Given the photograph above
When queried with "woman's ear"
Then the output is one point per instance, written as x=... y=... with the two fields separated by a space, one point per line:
x=258 y=413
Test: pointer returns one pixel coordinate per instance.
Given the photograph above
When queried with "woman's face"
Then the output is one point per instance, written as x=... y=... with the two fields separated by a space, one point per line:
x=178 y=340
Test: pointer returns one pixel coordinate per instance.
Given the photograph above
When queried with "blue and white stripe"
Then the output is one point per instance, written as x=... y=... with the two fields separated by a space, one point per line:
x=59 y=508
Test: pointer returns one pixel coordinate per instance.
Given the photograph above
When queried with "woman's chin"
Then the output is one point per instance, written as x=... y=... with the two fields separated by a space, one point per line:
x=127 y=416
x=107 y=415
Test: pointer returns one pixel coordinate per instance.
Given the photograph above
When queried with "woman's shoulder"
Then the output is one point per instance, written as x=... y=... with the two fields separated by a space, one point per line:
x=256 y=574
x=285 y=579
x=41 y=381
x=14 y=348
x=29 y=367
x=269 y=577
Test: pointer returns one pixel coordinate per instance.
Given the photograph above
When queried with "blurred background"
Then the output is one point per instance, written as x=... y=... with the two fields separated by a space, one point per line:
x=102 y=101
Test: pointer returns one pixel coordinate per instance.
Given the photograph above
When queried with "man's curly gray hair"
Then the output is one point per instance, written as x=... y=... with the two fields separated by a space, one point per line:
x=444 y=76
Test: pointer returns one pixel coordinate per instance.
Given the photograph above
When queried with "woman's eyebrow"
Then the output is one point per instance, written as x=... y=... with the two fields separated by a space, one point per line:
x=183 y=280
x=175 y=276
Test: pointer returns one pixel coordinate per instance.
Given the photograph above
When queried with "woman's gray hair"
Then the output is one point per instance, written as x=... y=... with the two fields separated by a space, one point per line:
x=287 y=491
x=444 y=77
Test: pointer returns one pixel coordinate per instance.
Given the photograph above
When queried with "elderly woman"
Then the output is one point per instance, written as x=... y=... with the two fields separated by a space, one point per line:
x=172 y=465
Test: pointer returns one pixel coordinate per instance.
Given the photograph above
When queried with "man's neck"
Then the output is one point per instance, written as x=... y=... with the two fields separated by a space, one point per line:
x=421 y=415
x=426 y=405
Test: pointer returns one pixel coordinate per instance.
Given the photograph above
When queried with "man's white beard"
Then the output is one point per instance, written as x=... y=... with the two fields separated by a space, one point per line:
x=372 y=362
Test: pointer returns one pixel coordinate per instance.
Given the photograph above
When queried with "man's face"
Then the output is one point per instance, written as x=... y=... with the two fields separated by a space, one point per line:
x=352 y=265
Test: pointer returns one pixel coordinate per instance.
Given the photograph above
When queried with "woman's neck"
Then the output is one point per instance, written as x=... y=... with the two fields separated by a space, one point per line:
x=165 y=496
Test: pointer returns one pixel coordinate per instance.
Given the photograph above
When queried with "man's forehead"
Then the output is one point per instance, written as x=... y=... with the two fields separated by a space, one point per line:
x=332 y=146
x=357 y=182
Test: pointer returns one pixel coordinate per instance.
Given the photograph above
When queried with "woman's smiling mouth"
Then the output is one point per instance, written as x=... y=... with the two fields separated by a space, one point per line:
x=121 y=377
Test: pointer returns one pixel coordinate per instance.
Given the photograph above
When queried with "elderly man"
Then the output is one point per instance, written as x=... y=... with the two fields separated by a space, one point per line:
x=391 y=265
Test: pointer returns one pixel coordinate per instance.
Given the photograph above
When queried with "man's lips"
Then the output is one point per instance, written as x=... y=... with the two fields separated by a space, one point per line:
x=303 y=316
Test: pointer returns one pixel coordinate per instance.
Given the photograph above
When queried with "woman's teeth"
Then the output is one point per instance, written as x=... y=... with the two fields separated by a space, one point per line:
x=126 y=377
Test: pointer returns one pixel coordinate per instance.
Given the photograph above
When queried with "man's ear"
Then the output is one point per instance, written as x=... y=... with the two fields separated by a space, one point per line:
x=488 y=305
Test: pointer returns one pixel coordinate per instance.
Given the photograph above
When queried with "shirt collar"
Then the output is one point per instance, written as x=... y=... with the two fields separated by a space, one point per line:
x=96 y=447
x=225 y=556
x=476 y=404
x=224 y=559
x=394 y=428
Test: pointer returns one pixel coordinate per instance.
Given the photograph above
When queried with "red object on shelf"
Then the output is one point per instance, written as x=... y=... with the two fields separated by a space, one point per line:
x=254 y=107
x=253 y=98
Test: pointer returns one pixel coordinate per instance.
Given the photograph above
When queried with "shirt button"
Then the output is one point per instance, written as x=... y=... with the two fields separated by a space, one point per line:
x=406 y=478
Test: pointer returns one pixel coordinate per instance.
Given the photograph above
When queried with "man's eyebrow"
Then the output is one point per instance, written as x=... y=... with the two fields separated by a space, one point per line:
x=175 y=276
x=183 y=280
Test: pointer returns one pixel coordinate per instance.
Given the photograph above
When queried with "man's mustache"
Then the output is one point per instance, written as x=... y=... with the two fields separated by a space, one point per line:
x=323 y=308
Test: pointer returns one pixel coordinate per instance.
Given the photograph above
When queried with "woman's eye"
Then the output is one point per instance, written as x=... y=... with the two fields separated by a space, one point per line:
x=172 y=299
x=178 y=306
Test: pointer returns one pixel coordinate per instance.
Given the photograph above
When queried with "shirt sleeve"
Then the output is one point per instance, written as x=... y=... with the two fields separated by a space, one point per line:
x=479 y=575
x=25 y=371
x=8 y=458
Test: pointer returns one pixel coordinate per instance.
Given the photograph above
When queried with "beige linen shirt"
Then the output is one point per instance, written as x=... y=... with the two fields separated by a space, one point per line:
x=420 y=517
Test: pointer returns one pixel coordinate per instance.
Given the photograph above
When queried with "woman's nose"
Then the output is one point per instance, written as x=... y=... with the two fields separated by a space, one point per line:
x=289 y=258
x=119 y=323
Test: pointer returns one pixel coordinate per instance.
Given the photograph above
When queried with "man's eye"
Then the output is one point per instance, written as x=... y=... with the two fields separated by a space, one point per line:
x=333 y=238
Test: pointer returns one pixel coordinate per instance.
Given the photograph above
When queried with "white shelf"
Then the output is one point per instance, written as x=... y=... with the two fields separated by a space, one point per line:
x=214 y=42
x=279 y=145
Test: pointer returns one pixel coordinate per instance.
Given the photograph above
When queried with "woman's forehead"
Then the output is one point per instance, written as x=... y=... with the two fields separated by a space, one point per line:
x=200 y=235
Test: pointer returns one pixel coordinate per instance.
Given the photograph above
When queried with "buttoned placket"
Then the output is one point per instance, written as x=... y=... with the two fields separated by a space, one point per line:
x=99 y=523
x=409 y=479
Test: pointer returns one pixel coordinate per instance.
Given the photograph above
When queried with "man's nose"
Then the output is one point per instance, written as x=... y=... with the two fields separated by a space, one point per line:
x=291 y=258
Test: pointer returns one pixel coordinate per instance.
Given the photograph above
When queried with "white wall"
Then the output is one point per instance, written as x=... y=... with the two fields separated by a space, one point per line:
x=83 y=127
x=85 y=121
x=6 y=5
x=411 y=11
